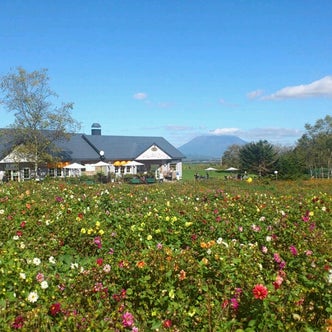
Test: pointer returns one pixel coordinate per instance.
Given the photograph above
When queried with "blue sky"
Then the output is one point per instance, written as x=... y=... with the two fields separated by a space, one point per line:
x=257 y=69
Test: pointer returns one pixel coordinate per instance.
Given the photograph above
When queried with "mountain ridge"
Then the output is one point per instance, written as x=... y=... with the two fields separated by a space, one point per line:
x=209 y=147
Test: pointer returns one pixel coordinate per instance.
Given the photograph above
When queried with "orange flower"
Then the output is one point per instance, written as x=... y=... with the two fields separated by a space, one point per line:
x=140 y=264
x=182 y=275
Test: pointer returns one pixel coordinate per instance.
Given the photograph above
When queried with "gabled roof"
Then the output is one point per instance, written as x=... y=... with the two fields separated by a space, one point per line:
x=130 y=147
x=81 y=147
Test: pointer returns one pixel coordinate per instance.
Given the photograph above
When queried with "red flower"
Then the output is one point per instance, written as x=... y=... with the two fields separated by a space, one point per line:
x=19 y=233
x=167 y=323
x=260 y=292
x=55 y=308
x=100 y=261
x=18 y=323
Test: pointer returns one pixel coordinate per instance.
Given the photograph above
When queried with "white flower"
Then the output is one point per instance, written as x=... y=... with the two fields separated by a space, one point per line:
x=107 y=268
x=15 y=237
x=219 y=240
x=52 y=260
x=33 y=297
x=2 y=211
x=209 y=251
x=324 y=208
x=36 y=261
x=74 y=266
x=44 y=284
x=22 y=276
x=329 y=278
x=268 y=239
x=22 y=245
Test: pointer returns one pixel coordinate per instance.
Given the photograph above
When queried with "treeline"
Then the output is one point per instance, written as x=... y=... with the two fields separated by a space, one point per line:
x=310 y=157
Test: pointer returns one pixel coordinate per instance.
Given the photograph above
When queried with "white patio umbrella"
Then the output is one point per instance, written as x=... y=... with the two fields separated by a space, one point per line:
x=104 y=167
x=133 y=166
x=74 y=166
x=74 y=169
x=210 y=169
x=231 y=169
x=100 y=164
x=134 y=163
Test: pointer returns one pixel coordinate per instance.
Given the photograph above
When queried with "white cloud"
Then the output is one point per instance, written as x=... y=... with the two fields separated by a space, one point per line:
x=140 y=96
x=320 y=88
x=225 y=131
x=254 y=94
x=274 y=135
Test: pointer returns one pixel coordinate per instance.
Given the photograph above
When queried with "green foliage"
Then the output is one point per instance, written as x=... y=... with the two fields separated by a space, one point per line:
x=258 y=157
x=315 y=146
x=178 y=256
x=38 y=124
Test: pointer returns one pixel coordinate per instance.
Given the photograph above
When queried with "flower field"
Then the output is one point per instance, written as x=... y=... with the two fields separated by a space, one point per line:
x=191 y=256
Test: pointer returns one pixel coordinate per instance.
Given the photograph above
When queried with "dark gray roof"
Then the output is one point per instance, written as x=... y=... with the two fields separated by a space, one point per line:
x=81 y=147
x=130 y=147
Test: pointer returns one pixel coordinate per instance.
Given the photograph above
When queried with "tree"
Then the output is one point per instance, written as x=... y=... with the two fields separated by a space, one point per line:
x=38 y=123
x=258 y=157
x=315 y=146
x=290 y=164
x=231 y=157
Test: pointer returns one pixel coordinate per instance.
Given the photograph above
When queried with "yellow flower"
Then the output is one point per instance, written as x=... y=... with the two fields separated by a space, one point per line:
x=249 y=180
x=97 y=224
x=90 y=231
x=311 y=213
x=83 y=230
x=149 y=237
x=101 y=232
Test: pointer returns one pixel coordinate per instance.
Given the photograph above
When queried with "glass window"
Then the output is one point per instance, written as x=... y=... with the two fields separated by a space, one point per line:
x=26 y=173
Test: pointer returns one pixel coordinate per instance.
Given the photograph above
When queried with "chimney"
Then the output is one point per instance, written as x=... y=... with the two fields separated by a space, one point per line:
x=96 y=129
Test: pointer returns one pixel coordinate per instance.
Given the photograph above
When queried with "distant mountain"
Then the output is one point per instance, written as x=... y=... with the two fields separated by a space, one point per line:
x=209 y=147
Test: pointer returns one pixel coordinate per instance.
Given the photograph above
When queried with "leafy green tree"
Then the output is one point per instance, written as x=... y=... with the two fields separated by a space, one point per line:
x=290 y=164
x=231 y=157
x=38 y=123
x=258 y=157
x=315 y=146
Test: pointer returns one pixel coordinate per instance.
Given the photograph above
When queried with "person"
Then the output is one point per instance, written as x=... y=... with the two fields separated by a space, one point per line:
x=207 y=175
x=196 y=176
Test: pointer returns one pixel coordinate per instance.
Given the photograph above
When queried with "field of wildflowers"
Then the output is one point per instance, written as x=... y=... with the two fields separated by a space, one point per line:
x=195 y=256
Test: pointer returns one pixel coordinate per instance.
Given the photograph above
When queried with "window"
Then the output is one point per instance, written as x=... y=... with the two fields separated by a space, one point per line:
x=26 y=173
x=51 y=172
x=58 y=172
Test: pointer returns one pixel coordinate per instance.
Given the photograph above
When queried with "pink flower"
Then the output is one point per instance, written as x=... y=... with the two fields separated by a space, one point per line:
x=97 y=241
x=276 y=258
x=167 y=323
x=293 y=250
x=127 y=319
x=234 y=303
x=264 y=249
x=40 y=277
x=278 y=282
x=260 y=292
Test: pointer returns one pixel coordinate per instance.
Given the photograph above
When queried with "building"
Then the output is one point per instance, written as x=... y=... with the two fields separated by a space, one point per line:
x=116 y=155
